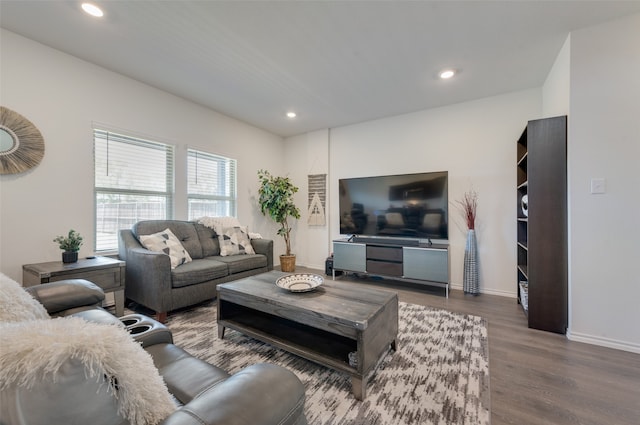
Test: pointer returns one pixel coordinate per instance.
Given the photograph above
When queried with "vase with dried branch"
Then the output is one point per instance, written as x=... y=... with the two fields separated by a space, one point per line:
x=468 y=208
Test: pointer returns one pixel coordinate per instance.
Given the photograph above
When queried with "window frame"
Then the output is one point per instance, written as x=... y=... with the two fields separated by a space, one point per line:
x=102 y=135
x=225 y=164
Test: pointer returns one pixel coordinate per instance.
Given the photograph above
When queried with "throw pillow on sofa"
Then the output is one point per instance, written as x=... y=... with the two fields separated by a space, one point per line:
x=234 y=241
x=168 y=243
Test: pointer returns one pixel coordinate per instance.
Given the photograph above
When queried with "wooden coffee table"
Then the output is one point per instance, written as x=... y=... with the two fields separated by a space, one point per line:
x=323 y=326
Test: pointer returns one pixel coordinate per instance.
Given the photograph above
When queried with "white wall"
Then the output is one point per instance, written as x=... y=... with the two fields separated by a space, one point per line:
x=474 y=141
x=604 y=142
x=62 y=96
x=555 y=90
x=308 y=154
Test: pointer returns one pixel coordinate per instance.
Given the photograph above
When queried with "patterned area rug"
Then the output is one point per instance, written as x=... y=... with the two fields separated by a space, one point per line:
x=439 y=375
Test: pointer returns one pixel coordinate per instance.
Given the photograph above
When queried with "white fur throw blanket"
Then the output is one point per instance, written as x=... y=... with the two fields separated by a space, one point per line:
x=36 y=351
x=220 y=223
x=16 y=304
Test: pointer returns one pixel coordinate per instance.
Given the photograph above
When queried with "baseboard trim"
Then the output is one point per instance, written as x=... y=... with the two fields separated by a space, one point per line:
x=604 y=342
x=500 y=293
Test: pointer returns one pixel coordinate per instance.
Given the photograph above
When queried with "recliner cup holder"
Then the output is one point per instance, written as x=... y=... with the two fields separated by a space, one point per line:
x=135 y=330
x=130 y=321
x=146 y=330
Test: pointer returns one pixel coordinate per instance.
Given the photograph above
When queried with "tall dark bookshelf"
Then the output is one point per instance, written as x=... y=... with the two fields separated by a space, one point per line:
x=542 y=235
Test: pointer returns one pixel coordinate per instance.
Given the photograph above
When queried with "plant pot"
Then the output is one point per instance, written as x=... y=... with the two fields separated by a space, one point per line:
x=69 y=257
x=288 y=263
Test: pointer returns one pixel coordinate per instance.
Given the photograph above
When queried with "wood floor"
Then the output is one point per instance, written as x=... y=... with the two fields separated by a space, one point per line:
x=539 y=377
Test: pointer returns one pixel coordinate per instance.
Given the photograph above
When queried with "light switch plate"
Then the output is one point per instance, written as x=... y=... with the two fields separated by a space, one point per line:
x=598 y=185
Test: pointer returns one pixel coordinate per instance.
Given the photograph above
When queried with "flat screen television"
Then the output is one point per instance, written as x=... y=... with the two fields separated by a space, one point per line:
x=414 y=206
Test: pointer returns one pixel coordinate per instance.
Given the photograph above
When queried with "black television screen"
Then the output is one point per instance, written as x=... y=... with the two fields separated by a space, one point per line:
x=398 y=206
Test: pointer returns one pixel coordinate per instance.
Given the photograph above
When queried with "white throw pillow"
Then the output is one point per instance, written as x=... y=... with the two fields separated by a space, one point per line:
x=234 y=241
x=17 y=304
x=168 y=243
x=394 y=219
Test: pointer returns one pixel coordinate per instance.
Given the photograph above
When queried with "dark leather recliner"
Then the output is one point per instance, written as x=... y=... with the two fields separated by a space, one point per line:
x=262 y=394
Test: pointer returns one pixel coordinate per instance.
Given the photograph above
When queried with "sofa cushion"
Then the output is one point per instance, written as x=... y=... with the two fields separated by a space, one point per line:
x=235 y=240
x=165 y=241
x=198 y=271
x=185 y=231
x=208 y=240
x=241 y=263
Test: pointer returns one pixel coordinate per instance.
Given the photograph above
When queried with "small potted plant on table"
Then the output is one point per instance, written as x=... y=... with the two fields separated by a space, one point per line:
x=70 y=245
x=276 y=199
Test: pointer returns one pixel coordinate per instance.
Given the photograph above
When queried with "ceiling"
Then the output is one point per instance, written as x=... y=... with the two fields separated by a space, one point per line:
x=332 y=62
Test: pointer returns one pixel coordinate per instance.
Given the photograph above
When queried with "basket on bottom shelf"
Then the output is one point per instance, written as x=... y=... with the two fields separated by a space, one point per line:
x=524 y=294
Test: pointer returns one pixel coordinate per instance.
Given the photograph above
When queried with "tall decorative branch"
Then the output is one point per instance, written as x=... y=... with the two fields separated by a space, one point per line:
x=468 y=206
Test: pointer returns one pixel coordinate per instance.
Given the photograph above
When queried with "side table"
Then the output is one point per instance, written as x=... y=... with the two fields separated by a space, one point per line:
x=107 y=273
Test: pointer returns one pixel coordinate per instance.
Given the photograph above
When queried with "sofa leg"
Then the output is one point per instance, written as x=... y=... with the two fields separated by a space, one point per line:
x=161 y=316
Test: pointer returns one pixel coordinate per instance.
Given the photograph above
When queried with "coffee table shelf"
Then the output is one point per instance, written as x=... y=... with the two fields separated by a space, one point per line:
x=302 y=340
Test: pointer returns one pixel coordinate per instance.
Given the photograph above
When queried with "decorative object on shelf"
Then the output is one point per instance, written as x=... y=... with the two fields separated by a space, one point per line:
x=21 y=143
x=70 y=245
x=524 y=294
x=300 y=282
x=525 y=205
x=276 y=200
x=468 y=207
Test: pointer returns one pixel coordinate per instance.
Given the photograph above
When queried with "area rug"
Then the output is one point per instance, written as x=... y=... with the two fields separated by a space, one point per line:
x=438 y=375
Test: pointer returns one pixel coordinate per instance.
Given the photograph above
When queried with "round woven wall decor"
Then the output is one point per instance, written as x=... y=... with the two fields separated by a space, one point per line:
x=21 y=144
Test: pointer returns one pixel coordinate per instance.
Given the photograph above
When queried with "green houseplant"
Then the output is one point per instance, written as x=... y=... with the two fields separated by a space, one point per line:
x=276 y=200
x=70 y=245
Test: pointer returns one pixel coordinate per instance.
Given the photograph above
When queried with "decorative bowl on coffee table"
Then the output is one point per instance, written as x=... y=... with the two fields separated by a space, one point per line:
x=300 y=282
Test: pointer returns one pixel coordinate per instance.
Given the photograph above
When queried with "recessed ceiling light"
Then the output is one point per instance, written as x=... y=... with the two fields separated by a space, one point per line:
x=291 y=114
x=92 y=10
x=447 y=73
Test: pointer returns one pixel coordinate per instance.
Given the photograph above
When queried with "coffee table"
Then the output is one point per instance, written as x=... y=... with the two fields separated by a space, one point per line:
x=341 y=326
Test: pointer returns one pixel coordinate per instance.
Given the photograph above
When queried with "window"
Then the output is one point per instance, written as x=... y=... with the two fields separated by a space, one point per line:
x=133 y=182
x=211 y=185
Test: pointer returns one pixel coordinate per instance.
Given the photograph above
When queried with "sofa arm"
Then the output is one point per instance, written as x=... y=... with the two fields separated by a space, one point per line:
x=148 y=273
x=265 y=247
x=67 y=294
x=261 y=394
x=148 y=277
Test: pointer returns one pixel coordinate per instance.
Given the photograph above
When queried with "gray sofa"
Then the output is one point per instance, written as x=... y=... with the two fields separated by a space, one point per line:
x=151 y=282
x=260 y=394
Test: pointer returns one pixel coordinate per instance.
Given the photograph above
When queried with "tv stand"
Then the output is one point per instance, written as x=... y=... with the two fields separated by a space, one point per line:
x=426 y=264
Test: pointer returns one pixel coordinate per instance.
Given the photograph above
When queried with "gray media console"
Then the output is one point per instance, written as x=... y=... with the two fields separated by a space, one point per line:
x=417 y=263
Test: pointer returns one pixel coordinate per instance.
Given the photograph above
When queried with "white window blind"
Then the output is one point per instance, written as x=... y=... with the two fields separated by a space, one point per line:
x=133 y=182
x=211 y=185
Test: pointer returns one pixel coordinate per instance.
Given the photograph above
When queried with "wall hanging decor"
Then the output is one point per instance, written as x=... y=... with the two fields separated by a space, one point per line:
x=21 y=144
x=317 y=199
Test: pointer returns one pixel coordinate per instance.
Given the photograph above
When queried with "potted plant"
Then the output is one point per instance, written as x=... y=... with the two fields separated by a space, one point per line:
x=276 y=200
x=70 y=245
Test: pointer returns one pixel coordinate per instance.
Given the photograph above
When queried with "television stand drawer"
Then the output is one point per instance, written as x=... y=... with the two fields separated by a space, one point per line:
x=385 y=253
x=384 y=268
